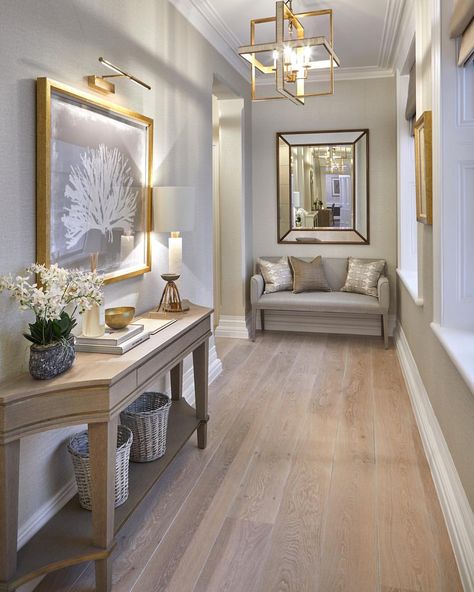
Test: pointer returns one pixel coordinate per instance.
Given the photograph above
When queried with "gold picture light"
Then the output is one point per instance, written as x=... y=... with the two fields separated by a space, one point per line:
x=102 y=85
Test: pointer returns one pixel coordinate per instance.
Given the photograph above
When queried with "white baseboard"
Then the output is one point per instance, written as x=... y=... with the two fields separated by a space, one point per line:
x=31 y=585
x=215 y=368
x=313 y=322
x=46 y=512
x=456 y=509
x=232 y=326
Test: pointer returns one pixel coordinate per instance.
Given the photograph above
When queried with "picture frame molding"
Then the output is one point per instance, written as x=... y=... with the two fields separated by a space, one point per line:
x=45 y=87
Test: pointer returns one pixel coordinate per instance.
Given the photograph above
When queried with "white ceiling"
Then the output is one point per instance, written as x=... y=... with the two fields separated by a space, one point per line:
x=365 y=31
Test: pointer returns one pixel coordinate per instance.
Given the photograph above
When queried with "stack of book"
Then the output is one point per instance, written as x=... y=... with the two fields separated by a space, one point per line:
x=113 y=341
x=123 y=340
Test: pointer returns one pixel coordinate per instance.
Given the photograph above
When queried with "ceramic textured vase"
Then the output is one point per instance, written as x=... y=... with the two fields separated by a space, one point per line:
x=47 y=361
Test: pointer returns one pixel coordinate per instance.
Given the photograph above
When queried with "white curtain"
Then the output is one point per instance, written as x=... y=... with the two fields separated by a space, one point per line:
x=462 y=24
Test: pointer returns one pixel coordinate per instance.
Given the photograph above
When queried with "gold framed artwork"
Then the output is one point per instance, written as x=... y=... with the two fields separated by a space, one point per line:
x=423 y=169
x=94 y=167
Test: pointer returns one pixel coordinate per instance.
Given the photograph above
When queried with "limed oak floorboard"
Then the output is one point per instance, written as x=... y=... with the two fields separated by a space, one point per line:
x=199 y=542
x=409 y=549
x=148 y=527
x=235 y=561
x=349 y=545
x=294 y=561
x=314 y=480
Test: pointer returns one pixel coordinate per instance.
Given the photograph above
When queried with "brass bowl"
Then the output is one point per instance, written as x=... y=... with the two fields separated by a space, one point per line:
x=119 y=317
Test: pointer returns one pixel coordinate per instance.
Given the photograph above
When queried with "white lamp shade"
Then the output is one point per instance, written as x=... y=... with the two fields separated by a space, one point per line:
x=173 y=209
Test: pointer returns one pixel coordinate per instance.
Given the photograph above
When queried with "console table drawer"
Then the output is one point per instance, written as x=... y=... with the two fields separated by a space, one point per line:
x=166 y=359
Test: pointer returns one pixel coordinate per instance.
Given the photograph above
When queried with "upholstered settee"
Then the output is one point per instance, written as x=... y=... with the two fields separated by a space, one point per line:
x=335 y=301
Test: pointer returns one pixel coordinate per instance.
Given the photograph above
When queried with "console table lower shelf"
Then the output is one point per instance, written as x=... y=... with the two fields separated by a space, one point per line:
x=65 y=539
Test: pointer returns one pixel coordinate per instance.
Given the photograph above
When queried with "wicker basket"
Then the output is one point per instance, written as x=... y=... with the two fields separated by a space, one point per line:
x=147 y=417
x=78 y=448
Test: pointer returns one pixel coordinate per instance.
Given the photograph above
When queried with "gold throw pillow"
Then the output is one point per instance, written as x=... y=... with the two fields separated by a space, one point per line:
x=309 y=276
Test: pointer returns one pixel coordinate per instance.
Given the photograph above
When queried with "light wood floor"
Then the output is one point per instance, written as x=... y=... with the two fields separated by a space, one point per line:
x=314 y=480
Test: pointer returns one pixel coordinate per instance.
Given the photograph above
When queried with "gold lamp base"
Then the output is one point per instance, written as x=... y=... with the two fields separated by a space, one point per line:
x=170 y=299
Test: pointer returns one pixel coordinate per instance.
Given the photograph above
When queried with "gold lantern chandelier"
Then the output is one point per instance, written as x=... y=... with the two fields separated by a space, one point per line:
x=291 y=55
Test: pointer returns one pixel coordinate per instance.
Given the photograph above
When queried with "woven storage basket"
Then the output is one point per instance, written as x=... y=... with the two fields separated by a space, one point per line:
x=147 y=417
x=78 y=448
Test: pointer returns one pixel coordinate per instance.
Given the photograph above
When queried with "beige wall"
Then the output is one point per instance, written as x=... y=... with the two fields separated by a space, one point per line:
x=63 y=40
x=231 y=207
x=356 y=104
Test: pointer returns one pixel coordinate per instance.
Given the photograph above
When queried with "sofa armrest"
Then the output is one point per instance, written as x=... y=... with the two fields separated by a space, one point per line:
x=383 y=290
x=256 y=288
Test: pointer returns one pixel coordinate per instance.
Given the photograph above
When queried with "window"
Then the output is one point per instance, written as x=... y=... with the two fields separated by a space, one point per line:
x=453 y=179
x=407 y=225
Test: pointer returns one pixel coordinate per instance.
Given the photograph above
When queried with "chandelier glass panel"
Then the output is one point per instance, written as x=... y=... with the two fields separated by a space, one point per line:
x=293 y=53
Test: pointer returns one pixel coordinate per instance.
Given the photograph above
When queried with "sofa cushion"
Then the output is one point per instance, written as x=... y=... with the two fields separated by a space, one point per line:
x=277 y=275
x=335 y=269
x=363 y=276
x=309 y=276
x=342 y=302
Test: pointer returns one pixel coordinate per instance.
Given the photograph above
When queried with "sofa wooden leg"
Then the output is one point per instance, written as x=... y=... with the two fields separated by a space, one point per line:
x=385 y=329
x=262 y=319
x=253 y=323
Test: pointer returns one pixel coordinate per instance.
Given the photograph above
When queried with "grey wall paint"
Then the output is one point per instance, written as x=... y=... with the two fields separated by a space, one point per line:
x=62 y=40
x=451 y=399
x=355 y=104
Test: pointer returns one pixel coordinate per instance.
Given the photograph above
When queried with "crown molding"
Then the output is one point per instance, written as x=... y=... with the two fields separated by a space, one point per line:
x=391 y=28
x=212 y=16
x=405 y=36
x=204 y=18
x=363 y=73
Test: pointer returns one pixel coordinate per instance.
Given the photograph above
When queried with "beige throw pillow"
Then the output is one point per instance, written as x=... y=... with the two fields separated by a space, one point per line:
x=363 y=276
x=309 y=276
x=277 y=276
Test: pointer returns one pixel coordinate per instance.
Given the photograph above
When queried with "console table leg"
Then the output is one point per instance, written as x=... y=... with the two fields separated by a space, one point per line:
x=201 y=381
x=9 y=480
x=103 y=574
x=102 y=451
x=177 y=382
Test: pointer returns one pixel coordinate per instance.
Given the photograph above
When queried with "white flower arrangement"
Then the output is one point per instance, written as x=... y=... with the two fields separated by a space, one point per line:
x=57 y=289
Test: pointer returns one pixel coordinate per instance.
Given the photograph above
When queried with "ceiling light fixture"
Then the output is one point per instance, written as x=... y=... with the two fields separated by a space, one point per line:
x=291 y=56
x=104 y=86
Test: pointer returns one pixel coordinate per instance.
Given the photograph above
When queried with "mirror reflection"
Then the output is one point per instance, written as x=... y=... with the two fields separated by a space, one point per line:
x=323 y=186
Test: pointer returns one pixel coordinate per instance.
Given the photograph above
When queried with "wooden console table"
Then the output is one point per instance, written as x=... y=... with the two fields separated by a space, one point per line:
x=96 y=389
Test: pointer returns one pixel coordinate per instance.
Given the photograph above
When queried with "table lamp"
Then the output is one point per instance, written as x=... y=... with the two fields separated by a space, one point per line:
x=173 y=211
x=93 y=320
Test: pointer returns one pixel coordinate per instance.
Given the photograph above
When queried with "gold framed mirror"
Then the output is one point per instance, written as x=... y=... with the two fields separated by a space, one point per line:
x=323 y=186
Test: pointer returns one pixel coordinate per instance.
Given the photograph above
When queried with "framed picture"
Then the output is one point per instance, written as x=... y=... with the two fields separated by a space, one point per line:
x=336 y=187
x=94 y=166
x=423 y=168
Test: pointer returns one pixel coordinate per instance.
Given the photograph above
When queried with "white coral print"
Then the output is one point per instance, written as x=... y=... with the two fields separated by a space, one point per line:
x=101 y=195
